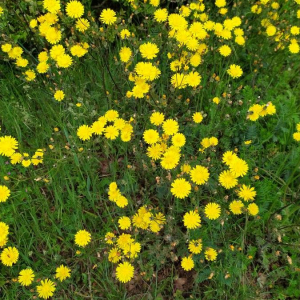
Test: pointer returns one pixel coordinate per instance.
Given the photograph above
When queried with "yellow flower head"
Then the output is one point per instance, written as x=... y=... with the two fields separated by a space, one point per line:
x=26 y=277
x=187 y=263
x=235 y=71
x=59 y=95
x=236 y=207
x=180 y=188
x=192 y=220
x=62 y=273
x=212 y=211
x=227 y=179
x=82 y=238
x=108 y=16
x=74 y=9
x=161 y=15
x=253 y=209
x=4 y=193
x=124 y=223
x=149 y=50
x=124 y=272
x=9 y=256
x=46 y=289
x=246 y=192
x=199 y=175
x=195 y=246
x=210 y=254
x=157 y=118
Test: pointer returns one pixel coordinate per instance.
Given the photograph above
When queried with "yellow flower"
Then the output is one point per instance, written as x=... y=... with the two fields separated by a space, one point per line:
x=151 y=136
x=62 y=273
x=178 y=140
x=111 y=115
x=170 y=158
x=170 y=127
x=125 y=54
x=193 y=79
x=6 y=47
x=220 y=3
x=26 y=161
x=42 y=67
x=82 y=24
x=9 y=256
x=296 y=136
x=125 y=33
x=26 y=277
x=124 y=223
x=29 y=75
x=197 y=117
x=185 y=168
x=43 y=56
x=157 y=118
x=124 y=272
x=253 y=209
x=225 y=50
x=236 y=207
x=161 y=15
x=15 y=52
x=146 y=71
x=33 y=23
x=227 y=179
x=235 y=71
x=78 y=51
x=59 y=95
x=195 y=246
x=109 y=238
x=246 y=192
x=177 y=22
x=199 y=175
x=111 y=132
x=294 y=48
x=56 y=51
x=271 y=30
x=114 y=255
x=122 y=201
x=254 y=112
x=212 y=211
x=4 y=193
x=195 y=60
x=192 y=220
x=53 y=35
x=155 y=151
x=46 y=288
x=8 y=145
x=238 y=167
x=64 y=61
x=84 y=132
x=179 y=80
x=108 y=16
x=21 y=62
x=187 y=263
x=74 y=9
x=52 y=6
x=210 y=254
x=82 y=238
x=180 y=188
x=149 y=50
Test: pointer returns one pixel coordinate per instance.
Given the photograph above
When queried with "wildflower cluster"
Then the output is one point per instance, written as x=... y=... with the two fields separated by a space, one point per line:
x=256 y=111
x=284 y=35
x=110 y=125
x=124 y=246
